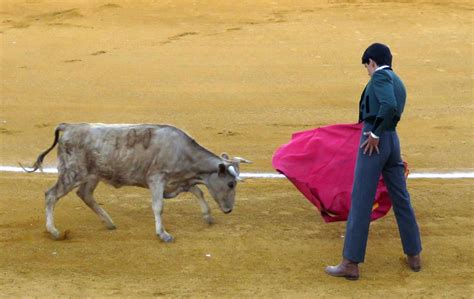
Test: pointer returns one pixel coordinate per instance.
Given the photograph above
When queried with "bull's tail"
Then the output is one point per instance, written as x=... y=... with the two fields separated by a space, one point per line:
x=39 y=160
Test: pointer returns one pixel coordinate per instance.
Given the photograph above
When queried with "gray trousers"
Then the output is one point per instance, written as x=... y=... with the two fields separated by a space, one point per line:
x=367 y=173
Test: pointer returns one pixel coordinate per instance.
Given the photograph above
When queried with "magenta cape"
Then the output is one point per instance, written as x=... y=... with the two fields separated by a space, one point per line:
x=320 y=163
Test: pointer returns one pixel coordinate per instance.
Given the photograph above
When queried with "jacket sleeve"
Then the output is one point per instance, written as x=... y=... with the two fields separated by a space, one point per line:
x=360 y=103
x=384 y=93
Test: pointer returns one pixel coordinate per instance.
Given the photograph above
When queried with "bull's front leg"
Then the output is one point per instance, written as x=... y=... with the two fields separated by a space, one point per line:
x=156 y=185
x=206 y=212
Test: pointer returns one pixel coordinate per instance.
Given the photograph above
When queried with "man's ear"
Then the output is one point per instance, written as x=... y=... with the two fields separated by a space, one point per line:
x=372 y=63
x=222 y=169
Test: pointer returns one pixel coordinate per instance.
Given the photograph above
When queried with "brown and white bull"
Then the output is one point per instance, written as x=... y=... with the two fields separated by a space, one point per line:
x=159 y=157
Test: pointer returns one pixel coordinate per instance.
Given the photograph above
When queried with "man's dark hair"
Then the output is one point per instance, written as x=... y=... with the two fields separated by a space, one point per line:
x=379 y=53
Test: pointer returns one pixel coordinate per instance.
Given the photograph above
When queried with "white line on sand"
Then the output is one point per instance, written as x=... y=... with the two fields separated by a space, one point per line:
x=266 y=175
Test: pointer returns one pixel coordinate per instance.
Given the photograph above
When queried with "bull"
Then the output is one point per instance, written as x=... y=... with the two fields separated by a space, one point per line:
x=161 y=158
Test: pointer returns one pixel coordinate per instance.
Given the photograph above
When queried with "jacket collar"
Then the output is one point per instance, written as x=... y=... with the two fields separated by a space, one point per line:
x=383 y=67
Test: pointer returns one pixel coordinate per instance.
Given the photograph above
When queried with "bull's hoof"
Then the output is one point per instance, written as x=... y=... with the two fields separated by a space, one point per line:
x=111 y=226
x=57 y=236
x=209 y=219
x=167 y=238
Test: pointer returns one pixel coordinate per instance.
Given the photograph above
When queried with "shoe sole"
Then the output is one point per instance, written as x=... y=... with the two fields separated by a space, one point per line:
x=351 y=277
x=348 y=277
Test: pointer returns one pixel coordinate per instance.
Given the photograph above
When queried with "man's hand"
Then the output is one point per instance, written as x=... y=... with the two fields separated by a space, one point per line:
x=370 y=144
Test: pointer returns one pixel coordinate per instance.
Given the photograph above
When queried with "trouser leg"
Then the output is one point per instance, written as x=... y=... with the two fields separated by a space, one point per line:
x=394 y=177
x=367 y=173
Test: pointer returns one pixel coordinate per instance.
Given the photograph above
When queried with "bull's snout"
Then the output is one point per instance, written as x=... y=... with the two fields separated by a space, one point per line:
x=228 y=211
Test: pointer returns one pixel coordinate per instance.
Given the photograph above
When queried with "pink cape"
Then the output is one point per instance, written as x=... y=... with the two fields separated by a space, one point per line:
x=320 y=163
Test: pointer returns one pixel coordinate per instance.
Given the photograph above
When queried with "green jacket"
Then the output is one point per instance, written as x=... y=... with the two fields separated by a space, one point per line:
x=382 y=101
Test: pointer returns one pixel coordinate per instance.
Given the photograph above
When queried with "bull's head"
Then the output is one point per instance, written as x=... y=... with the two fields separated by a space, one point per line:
x=222 y=184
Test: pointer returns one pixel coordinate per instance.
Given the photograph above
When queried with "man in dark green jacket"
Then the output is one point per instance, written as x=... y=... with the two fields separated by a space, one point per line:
x=380 y=108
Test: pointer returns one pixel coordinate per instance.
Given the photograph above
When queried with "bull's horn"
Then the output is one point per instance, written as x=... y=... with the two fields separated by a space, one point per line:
x=241 y=160
x=234 y=173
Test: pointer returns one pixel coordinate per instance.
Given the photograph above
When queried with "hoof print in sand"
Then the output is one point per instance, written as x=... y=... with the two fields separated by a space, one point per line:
x=178 y=37
x=72 y=60
x=98 y=53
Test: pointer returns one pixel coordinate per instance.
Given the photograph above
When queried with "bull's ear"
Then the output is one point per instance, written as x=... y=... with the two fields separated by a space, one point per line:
x=225 y=156
x=222 y=169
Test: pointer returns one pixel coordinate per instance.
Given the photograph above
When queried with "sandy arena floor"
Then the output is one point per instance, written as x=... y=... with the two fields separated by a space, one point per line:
x=240 y=78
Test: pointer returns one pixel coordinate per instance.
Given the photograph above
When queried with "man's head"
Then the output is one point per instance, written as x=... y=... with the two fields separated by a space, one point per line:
x=376 y=55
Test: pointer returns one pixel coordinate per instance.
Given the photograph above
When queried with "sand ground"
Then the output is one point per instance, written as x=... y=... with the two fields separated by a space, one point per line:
x=240 y=78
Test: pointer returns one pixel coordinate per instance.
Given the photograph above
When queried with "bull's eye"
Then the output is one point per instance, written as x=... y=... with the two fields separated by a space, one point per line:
x=231 y=185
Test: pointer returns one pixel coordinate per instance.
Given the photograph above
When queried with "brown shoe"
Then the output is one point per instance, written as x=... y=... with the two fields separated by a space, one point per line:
x=414 y=261
x=347 y=269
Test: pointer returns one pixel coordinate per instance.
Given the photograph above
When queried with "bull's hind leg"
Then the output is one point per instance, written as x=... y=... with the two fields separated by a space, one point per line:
x=85 y=192
x=60 y=189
